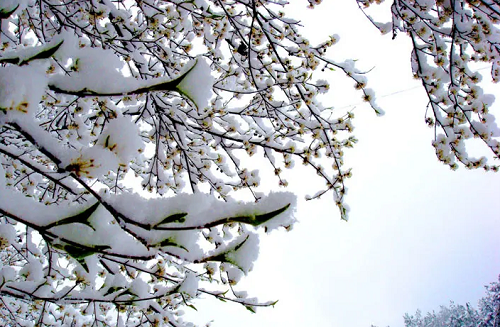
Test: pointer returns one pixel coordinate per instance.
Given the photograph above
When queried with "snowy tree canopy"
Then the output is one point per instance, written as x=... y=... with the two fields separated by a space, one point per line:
x=173 y=96
x=456 y=315
x=452 y=40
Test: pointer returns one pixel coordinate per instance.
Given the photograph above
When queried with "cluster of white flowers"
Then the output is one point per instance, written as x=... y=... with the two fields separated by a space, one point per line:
x=176 y=93
x=449 y=39
x=94 y=94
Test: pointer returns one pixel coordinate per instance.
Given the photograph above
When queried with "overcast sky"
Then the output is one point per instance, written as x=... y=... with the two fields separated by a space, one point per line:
x=419 y=234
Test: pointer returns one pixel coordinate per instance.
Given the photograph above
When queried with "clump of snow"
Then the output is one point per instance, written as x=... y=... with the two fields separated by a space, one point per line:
x=211 y=267
x=384 y=28
x=190 y=285
x=140 y=288
x=96 y=69
x=244 y=254
x=234 y=274
x=33 y=271
x=197 y=84
x=273 y=202
x=7 y=235
x=202 y=208
x=2 y=178
x=121 y=136
x=93 y=162
x=69 y=47
x=7 y=274
x=115 y=281
x=33 y=211
x=21 y=88
x=8 y=5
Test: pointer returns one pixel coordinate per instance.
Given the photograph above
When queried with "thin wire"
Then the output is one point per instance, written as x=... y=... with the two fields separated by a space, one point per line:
x=381 y=97
x=391 y=94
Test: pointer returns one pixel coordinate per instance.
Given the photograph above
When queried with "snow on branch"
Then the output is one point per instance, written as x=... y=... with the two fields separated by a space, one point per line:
x=171 y=97
x=449 y=39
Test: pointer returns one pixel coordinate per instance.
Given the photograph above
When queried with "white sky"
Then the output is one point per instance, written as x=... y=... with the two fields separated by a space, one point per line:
x=419 y=234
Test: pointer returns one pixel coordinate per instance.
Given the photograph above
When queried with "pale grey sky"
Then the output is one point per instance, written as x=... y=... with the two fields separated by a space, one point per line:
x=419 y=234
